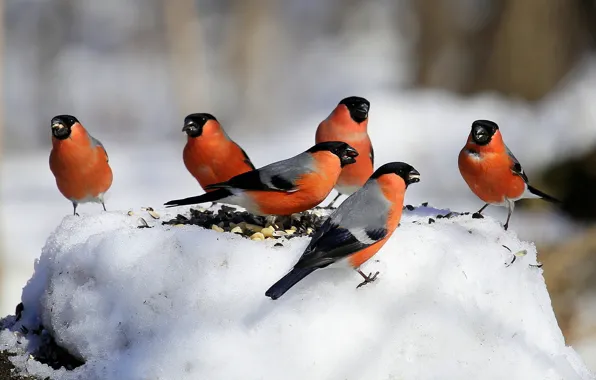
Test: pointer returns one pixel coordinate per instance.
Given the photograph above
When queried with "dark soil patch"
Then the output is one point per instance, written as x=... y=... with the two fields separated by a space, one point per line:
x=8 y=371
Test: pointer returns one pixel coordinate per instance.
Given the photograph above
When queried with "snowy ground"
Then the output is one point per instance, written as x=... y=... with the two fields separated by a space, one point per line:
x=187 y=303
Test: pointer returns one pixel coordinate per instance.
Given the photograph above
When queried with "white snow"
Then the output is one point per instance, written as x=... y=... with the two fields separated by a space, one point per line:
x=188 y=303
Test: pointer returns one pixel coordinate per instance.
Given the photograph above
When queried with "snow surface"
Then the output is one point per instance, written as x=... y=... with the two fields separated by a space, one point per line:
x=187 y=303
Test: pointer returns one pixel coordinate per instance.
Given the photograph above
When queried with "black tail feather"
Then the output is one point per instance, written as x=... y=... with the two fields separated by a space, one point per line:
x=219 y=185
x=280 y=287
x=542 y=195
x=212 y=196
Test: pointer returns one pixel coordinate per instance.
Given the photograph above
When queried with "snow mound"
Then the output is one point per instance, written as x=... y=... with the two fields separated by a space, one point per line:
x=183 y=302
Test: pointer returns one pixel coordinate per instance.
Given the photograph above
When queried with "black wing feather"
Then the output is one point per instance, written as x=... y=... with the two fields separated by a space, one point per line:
x=516 y=167
x=252 y=181
x=247 y=160
x=332 y=243
x=377 y=234
x=247 y=181
x=281 y=183
x=518 y=170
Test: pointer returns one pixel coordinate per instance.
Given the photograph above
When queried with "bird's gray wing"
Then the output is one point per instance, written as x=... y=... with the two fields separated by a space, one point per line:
x=278 y=176
x=95 y=143
x=359 y=222
x=516 y=167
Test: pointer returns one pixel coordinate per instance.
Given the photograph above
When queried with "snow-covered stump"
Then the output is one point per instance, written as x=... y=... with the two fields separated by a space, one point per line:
x=183 y=302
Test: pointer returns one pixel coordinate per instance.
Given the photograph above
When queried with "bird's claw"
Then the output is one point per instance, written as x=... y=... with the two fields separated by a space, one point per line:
x=367 y=279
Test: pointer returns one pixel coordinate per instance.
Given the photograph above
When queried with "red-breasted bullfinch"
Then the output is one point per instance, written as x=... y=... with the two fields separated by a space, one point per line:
x=79 y=162
x=285 y=187
x=210 y=155
x=359 y=227
x=349 y=122
x=492 y=172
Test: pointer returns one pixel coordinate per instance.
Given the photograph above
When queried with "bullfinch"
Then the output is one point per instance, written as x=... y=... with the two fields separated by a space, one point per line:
x=349 y=122
x=285 y=187
x=492 y=172
x=79 y=162
x=209 y=154
x=359 y=227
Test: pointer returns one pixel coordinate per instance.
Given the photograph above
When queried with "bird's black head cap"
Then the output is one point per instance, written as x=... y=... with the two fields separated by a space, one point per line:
x=194 y=123
x=405 y=171
x=61 y=126
x=358 y=108
x=483 y=131
x=347 y=155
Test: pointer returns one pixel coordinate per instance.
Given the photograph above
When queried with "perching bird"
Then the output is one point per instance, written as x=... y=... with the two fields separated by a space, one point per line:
x=210 y=155
x=349 y=122
x=492 y=172
x=285 y=187
x=359 y=227
x=79 y=162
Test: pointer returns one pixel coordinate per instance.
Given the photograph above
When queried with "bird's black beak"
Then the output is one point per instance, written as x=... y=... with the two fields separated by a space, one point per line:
x=349 y=156
x=192 y=129
x=480 y=134
x=359 y=112
x=60 y=131
x=188 y=126
x=413 y=176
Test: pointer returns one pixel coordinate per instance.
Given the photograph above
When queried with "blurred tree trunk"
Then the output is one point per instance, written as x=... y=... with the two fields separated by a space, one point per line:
x=253 y=40
x=520 y=48
x=536 y=43
x=51 y=35
x=184 y=40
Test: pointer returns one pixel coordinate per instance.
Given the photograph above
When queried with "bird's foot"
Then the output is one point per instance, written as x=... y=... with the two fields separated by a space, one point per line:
x=367 y=279
x=76 y=214
x=505 y=226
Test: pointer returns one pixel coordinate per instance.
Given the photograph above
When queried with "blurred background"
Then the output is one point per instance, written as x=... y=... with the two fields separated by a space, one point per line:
x=271 y=70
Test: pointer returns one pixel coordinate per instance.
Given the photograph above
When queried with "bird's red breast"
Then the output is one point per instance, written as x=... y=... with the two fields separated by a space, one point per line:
x=487 y=170
x=339 y=126
x=313 y=188
x=213 y=157
x=394 y=189
x=81 y=169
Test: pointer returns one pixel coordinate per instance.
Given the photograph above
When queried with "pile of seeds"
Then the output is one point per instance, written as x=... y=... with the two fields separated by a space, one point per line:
x=255 y=227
